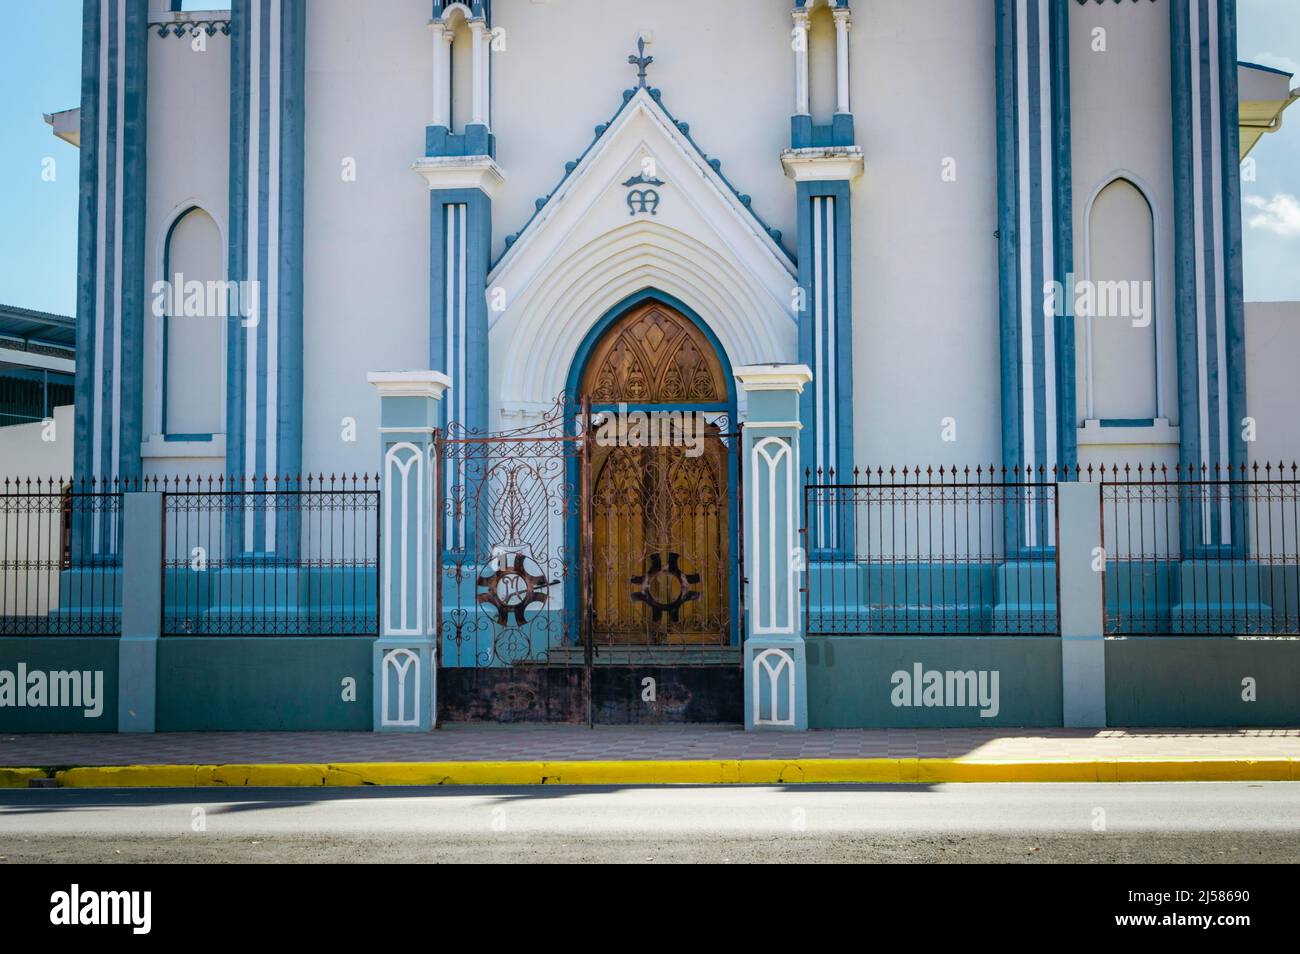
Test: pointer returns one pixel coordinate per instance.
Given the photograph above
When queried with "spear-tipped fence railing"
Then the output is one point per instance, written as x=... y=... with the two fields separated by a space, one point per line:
x=60 y=573
x=271 y=556
x=1201 y=550
x=930 y=551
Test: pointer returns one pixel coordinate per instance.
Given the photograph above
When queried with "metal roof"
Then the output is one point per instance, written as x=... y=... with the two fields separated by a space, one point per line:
x=37 y=327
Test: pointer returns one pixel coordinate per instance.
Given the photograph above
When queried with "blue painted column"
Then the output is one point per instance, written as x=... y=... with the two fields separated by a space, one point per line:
x=1035 y=248
x=463 y=177
x=264 y=390
x=110 y=245
x=1207 y=264
x=823 y=178
x=776 y=691
x=405 y=659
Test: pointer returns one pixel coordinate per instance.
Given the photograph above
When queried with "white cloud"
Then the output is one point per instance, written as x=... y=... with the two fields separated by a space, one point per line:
x=1279 y=215
x=1275 y=61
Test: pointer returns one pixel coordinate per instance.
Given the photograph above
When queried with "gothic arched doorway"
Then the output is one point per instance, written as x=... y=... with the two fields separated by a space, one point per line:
x=663 y=485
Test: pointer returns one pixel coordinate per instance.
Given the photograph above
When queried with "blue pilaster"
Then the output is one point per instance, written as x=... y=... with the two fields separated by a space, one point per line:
x=1207 y=262
x=264 y=392
x=826 y=339
x=776 y=691
x=111 y=239
x=405 y=658
x=1035 y=245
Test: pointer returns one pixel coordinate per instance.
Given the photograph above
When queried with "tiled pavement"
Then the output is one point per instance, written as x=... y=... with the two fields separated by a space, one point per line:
x=615 y=743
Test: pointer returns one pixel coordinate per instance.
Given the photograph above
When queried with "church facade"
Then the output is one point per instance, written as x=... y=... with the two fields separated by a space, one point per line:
x=830 y=240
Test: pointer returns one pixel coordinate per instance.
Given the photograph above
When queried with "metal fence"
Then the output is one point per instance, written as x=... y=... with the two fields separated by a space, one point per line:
x=933 y=551
x=1201 y=550
x=283 y=556
x=58 y=571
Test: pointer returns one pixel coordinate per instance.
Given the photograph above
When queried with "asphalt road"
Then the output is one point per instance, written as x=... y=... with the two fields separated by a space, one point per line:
x=1139 y=822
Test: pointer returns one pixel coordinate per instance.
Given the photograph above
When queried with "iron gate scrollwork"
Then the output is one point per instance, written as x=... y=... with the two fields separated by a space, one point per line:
x=505 y=499
x=562 y=552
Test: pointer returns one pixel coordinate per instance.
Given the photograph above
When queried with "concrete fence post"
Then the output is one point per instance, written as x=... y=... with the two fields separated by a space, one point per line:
x=142 y=599
x=776 y=672
x=404 y=659
x=1083 y=646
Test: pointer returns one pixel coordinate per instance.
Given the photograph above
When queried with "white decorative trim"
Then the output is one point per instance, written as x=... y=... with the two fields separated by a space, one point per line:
x=461 y=172
x=430 y=384
x=764 y=671
x=823 y=164
x=778 y=524
x=158 y=448
x=774 y=377
x=409 y=662
x=1163 y=362
x=399 y=478
x=154 y=359
x=1159 y=432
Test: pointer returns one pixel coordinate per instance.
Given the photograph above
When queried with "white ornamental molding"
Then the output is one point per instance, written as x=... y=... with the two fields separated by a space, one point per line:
x=403 y=479
x=398 y=666
x=773 y=457
x=775 y=669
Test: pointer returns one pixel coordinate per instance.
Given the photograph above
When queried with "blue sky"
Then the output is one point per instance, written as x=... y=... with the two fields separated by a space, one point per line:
x=40 y=70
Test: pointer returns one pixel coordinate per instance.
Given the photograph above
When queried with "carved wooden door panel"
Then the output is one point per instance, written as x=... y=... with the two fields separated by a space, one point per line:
x=660 y=534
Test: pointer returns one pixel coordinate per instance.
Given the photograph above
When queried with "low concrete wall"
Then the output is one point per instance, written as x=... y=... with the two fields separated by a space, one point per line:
x=853 y=681
x=58 y=703
x=235 y=683
x=1202 y=681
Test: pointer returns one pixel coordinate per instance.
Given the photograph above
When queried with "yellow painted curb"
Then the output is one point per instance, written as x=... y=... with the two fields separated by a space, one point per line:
x=665 y=772
x=17 y=777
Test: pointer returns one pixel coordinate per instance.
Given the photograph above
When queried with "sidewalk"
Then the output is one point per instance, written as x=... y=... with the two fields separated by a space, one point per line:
x=529 y=754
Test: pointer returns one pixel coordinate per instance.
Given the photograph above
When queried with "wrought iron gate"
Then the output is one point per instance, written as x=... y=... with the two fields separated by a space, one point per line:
x=574 y=568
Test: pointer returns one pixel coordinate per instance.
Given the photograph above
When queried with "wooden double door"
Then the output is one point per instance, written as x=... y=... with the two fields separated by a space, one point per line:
x=661 y=484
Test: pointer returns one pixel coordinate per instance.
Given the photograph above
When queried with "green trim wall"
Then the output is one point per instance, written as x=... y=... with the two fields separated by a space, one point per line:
x=1198 y=681
x=231 y=683
x=93 y=654
x=850 y=680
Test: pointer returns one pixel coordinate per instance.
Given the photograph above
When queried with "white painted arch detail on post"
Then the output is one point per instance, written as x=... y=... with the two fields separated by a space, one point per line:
x=403 y=474
x=770 y=673
x=770 y=463
x=397 y=665
x=1164 y=360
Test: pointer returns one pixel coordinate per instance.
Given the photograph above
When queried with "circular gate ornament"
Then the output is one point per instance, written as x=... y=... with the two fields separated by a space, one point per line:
x=510 y=590
x=679 y=583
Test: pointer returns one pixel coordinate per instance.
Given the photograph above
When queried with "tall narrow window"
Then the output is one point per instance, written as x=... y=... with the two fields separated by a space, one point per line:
x=193 y=329
x=1121 y=237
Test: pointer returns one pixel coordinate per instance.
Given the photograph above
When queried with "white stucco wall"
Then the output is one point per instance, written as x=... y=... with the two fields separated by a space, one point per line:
x=1119 y=126
x=26 y=453
x=366 y=242
x=189 y=166
x=1272 y=385
x=925 y=266
x=925 y=259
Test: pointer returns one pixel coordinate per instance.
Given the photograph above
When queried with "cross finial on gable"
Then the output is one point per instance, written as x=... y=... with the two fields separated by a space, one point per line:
x=640 y=61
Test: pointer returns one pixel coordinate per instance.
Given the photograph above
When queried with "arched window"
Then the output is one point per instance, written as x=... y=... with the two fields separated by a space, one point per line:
x=1122 y=324
x=191 y=333
x=822 y=65
x=462 y=72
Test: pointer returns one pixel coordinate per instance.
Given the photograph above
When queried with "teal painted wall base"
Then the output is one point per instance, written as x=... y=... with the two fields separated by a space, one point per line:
x=137 y=679
x=264 y=683
x=982 y=681
x=94 y=658
x=1201 y=681
x=905 y=599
